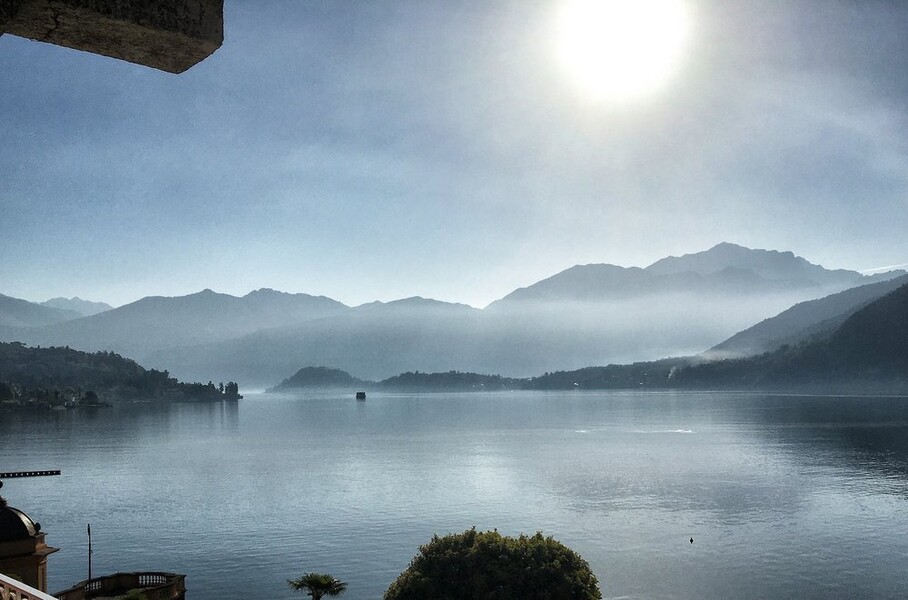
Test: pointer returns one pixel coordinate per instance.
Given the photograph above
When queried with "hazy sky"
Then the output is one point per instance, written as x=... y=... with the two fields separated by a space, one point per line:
x=378 y=150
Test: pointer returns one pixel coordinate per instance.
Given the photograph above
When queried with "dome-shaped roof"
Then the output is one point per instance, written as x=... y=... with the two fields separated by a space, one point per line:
x=15 y=524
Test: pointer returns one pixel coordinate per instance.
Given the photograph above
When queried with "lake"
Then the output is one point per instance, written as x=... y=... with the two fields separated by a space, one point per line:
x=784 y=496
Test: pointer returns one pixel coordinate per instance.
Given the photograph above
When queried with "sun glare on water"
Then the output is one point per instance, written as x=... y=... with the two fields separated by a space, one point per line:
x=621 y=50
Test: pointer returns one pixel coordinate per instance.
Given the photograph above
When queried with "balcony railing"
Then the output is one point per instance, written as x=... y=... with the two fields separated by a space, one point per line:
x=10 y=589
x=154 y=586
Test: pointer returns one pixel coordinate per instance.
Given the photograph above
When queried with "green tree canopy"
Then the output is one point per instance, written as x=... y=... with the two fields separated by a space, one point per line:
x=487 y=565
x=318 y=585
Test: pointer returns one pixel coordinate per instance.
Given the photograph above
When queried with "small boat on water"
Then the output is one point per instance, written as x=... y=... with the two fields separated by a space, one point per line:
x=360 y=395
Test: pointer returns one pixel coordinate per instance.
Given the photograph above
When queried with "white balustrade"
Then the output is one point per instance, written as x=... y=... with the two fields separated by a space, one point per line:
x=10 y=589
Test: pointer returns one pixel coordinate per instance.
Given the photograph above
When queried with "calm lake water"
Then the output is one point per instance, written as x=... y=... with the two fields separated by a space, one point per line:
x=785 y=496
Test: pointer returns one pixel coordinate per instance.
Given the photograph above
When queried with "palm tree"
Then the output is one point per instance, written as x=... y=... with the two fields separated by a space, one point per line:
x=318 y=585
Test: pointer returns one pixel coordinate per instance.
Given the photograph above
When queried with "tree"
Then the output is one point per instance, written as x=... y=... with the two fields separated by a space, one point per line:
x=318 y=585
x=488 y=565
x=231 y=391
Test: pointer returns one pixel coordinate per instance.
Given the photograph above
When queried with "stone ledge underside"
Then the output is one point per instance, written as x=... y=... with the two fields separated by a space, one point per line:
x=170 y=35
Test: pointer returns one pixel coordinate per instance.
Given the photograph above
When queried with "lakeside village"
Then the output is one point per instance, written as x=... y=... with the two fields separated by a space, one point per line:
x=60 y=378
x=14 y=396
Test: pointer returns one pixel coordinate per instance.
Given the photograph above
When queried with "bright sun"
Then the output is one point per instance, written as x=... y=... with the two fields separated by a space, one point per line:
x=619 y=50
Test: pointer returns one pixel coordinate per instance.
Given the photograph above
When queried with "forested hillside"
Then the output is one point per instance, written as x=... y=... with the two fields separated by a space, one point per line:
x=55 y=375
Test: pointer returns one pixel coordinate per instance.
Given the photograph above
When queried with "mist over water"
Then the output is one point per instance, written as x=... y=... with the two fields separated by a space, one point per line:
x=521 y=339
x=586 y=315
x=785 y=496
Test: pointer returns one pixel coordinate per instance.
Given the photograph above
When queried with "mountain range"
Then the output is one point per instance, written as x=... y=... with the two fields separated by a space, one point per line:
x=725 y=269
x=585 y=315
x=864 y=350
x=158 y=323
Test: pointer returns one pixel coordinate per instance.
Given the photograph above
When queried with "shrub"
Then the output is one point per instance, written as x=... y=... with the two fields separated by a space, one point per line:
x=487 y=565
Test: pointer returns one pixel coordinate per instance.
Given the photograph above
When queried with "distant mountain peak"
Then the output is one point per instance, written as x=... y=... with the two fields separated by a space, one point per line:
x=84 y=308
x=418 y=301
x=206 y=293
x=413 y=302
x=16 y=312
x=733 y=247
x=768 y=264
x=265 y=291
x=602 y=267
x=730 y=253
x=728 y=246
